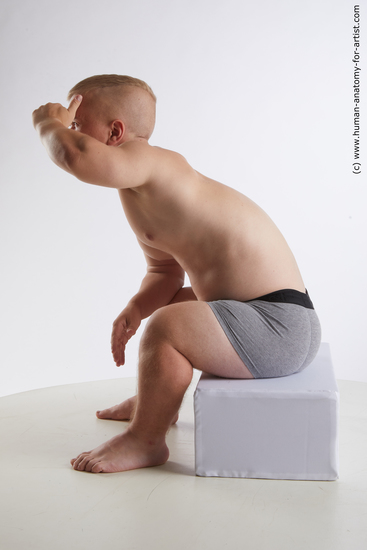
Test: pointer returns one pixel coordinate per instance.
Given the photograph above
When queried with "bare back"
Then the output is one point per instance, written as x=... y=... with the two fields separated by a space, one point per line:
x=228 y=246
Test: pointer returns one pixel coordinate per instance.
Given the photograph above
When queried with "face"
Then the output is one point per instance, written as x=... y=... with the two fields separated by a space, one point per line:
x=89 y=121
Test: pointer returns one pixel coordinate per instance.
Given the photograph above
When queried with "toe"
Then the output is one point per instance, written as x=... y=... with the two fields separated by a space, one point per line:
x=89 y=464
x=78 y=462
x=105 y=414
x=97 y=468
x=83 y=464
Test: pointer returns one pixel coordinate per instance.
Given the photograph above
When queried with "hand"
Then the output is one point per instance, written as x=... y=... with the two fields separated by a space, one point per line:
x=57 y=112
x=124 y=327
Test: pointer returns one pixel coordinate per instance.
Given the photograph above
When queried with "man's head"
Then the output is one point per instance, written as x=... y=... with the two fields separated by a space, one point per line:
x=115 y=108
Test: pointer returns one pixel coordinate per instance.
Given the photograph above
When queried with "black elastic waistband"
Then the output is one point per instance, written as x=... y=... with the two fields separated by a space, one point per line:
x=288 y=296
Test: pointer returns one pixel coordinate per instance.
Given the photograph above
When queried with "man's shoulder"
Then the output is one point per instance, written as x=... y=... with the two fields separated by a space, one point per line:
x=144 y=147
x=143 y=150
x=140 y=145
x=162 y=164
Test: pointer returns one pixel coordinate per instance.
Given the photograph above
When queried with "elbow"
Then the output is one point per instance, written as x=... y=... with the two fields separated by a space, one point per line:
x=64 y=148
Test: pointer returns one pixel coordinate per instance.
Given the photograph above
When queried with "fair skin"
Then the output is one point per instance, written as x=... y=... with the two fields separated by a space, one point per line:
x=185 y=223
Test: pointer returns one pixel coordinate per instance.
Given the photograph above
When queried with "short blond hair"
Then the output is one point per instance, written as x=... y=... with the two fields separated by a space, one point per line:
x=108 y=81
x=130 y=98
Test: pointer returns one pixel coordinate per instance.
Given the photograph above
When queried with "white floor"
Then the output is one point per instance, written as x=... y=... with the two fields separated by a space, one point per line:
x=47 y=505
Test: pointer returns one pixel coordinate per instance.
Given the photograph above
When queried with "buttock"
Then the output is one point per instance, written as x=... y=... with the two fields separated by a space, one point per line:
x=275 y=335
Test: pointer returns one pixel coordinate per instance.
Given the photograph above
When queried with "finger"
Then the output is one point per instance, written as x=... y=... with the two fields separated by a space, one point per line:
x=120 y=336
x=74 y=104
x=119 y=340
x=121 y=361
x=119 y=356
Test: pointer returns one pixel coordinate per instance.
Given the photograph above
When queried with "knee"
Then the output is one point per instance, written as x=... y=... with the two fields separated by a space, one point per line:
x=158 y=328
x=160 y=346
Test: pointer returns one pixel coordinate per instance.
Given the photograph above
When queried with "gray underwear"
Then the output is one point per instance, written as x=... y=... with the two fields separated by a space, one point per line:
x=275 y=335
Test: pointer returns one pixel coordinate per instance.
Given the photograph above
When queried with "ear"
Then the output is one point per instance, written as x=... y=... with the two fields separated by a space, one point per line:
x=117 y=133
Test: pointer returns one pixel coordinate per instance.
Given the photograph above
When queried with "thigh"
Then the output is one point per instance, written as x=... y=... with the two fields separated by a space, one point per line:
x=192 y=329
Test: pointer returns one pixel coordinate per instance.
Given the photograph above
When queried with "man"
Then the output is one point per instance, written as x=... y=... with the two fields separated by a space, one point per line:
x=247 y=313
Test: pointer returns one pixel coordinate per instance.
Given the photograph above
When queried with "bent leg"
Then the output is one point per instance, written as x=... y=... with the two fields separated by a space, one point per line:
x=177 y=338
x=126 y=409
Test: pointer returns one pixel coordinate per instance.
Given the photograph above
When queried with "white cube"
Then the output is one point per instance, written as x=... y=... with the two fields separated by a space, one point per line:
x=275 y=428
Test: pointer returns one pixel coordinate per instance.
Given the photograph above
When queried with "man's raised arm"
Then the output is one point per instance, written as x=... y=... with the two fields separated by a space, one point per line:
x=85 y=157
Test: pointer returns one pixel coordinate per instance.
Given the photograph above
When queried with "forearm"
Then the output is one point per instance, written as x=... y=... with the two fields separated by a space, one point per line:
x=156 y=290
x=63 y=145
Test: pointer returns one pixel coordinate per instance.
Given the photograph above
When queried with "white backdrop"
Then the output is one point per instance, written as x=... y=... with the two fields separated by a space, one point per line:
x=258 y=95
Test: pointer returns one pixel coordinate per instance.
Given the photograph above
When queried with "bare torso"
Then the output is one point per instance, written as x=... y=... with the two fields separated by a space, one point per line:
x=227 y=245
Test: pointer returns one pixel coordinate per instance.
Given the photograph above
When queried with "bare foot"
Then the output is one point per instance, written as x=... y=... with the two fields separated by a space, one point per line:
x=122 y=452
x=123 y=411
